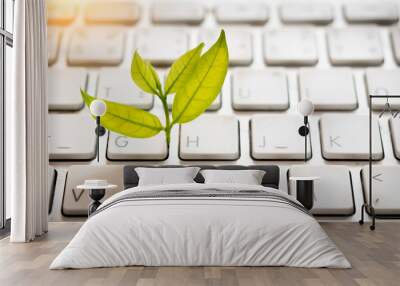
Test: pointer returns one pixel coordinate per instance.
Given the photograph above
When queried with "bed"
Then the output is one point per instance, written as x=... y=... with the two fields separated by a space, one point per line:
x=201 y=224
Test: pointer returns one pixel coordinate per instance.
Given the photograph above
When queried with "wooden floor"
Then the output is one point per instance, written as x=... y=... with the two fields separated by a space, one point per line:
x=375 y=257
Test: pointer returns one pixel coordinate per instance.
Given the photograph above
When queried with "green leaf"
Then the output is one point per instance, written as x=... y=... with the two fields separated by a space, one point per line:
x=127 y=120
x=144 y=75
x=204 y=84
x=182 y=69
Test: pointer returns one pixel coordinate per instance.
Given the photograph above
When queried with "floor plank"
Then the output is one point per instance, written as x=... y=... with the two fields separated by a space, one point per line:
x=375 y=257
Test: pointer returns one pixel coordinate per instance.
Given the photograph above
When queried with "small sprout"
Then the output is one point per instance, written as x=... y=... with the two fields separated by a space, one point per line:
x=195 y=79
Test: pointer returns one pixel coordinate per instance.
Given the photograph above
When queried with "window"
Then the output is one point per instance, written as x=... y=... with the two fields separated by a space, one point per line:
x=6 y=43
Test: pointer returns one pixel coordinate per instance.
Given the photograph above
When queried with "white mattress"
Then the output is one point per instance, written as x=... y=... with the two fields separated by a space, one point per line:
x=189 y=231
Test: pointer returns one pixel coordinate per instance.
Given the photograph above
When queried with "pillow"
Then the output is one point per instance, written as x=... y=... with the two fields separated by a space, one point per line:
x=166 y=176
x=247 y=177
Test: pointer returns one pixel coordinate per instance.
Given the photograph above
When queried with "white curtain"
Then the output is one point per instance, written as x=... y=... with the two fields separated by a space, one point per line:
x=26 y=124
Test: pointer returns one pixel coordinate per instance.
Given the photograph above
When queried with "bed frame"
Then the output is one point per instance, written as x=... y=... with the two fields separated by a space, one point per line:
x=270 y=179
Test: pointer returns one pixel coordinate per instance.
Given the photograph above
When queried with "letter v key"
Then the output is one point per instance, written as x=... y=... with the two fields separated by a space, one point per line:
x=77 y=197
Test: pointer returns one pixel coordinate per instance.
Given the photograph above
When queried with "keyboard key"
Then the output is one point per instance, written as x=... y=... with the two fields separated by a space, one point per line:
x=306 y=13
x=64 y=88
x=125 y=12
x=277 y=137
x=53 y=44
x=177 y=12
x=61 y=12
x=259 y=90
x=355 y=46
x=379 y=12
x=197 y=144
x=345 y=137
x=162 y=46
x=328 y=89
x=333 y=191
x=385 y=188
x=240 y=44
x=76 y=202
x=394 y=124
x=96 y=46
x=123 y=148
x=117 y=85
x=216 y=105
x=242 y=13
x=383 y=82
x=64 y=130
x=51 y=183
x=290 y=47
x=396 y=44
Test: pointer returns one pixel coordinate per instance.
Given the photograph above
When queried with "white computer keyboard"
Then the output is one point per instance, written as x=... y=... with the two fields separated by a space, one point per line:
x=333 y=52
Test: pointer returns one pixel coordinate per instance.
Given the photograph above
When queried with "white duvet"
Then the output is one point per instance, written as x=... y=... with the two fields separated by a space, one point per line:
x=200 y=231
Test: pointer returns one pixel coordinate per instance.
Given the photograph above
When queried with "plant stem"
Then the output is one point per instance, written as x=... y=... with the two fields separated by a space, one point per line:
x=168 y=124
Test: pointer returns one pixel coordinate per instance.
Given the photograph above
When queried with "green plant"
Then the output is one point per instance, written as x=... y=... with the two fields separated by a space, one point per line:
x=195 y=79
